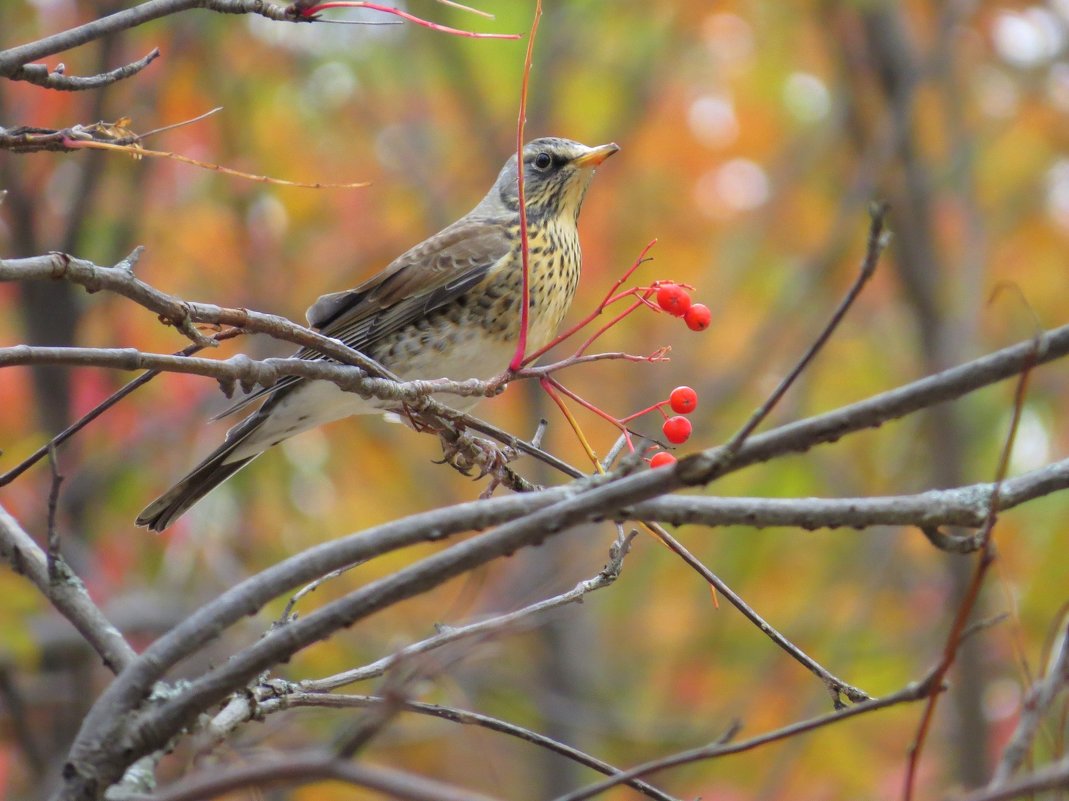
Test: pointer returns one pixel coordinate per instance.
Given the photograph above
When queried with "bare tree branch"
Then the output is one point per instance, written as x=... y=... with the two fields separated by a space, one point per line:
x=16 y=57
x=241 y=370
x=67 y=594
x=268 y=697
x=1050 y=777
x=877 y=242
x=1037 y=703
x=512 y=621
x=963 y=506
x=121 y=280
x=462 y=716
x=304 y=769
x=99 y=409
x=914 y=692
x=40 y=75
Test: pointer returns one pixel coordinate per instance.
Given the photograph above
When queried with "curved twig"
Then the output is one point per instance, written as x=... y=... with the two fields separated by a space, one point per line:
x=40 y=75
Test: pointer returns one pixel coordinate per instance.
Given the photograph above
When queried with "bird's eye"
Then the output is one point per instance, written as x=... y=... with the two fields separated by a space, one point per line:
x=542 y=161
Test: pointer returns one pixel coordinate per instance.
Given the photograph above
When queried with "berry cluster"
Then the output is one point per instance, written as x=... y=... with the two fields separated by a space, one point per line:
x=675 y=300
x=666 y=296
x=677 y=429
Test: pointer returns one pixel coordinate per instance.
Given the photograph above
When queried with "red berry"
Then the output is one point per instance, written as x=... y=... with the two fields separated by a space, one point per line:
x=698 y=317
x=683 y=400
x=673 y=298
x=677 y=430
x=662 y=459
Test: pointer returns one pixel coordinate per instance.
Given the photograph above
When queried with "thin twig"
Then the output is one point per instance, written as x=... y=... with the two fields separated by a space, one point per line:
x=99 y=409
x=972 y=592
x=1039 y=700
x=521 y=122
x=519 y=620
x=299 y=769
x=53 y=551
x=913 y=692
x=287 y=612
x=610 y=296
x=40 y=75
x=309 y=9
x=877 y=242
x=836 y=687
x=464 y=717
x=1050 y=777
x=181 y=124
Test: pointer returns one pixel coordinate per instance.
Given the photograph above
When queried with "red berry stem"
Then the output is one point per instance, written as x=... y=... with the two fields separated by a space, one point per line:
x=592 y=408
x=590 y=340
x=610 y=297
x=307 y=12
x=647 y=410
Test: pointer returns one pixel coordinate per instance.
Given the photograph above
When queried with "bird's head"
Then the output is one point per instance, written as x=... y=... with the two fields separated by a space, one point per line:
x=556 y=173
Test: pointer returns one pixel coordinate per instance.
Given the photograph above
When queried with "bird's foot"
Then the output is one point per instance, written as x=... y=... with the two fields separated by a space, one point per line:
x=478 y=457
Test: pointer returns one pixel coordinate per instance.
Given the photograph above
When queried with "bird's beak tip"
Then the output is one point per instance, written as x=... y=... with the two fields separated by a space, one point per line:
x=596 y=155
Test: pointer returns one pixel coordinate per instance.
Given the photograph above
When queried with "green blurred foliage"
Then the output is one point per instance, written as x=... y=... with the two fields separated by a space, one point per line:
x=752 y=136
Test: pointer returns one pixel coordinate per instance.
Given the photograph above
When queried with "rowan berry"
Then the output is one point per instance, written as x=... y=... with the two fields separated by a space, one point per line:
x=677 y=430
x=683 y=400
x=674 y=299
x=698 y=317
x=662 y=459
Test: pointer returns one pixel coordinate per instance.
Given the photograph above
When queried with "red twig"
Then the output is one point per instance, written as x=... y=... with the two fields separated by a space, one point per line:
x=311 y=11
x=609 y=298
x=549 y=383
x=638 y=304
x=521 y=343
x=659 y=355
x=972 y=592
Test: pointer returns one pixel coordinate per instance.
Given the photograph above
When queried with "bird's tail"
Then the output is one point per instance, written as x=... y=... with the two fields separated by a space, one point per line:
x=202 y=479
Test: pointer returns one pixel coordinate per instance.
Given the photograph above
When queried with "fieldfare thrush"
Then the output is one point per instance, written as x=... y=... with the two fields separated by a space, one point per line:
x=449 y=307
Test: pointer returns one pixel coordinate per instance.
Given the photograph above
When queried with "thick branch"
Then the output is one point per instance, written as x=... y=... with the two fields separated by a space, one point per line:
x=240 y=369
x=67 y=594
x=963 y=506
x=877 y=410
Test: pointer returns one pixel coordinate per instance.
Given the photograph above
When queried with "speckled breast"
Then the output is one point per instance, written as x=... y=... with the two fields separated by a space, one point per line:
x=475 y=335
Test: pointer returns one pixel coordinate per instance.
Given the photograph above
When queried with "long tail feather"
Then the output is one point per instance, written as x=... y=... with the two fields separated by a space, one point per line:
x=201 y=480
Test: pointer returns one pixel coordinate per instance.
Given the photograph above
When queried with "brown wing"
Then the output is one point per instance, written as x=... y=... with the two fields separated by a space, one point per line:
x=426 y=277
x=418 y=281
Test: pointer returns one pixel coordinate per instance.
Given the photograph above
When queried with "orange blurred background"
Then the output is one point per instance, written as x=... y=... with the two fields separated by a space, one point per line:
x=753 y=136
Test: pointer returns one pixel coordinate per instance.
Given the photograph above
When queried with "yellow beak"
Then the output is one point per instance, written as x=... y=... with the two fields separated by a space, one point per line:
x=596 y=155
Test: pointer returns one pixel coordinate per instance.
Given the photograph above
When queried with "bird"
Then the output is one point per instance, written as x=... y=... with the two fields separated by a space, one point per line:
x=450 y=307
